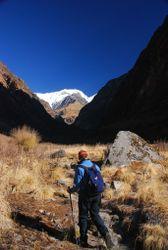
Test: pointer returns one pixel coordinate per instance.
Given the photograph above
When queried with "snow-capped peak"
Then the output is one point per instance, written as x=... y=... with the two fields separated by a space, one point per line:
x=57 y=97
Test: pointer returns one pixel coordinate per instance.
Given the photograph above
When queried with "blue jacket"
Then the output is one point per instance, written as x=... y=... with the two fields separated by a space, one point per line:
x=79 y=174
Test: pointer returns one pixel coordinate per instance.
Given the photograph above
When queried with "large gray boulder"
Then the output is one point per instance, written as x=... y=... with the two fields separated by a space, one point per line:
x=129 y=147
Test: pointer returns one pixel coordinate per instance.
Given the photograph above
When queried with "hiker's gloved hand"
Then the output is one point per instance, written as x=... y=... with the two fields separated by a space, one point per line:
x=71 y=190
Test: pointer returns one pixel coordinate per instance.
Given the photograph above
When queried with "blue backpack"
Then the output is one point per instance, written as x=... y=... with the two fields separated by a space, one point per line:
x=93 y=180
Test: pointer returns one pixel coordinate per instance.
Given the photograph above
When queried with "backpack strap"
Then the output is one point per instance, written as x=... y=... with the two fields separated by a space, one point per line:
x=86 y=168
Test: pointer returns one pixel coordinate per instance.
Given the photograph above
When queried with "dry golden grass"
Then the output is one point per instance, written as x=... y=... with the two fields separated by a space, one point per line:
x=164 y=175
x=125 y=175
x=31 y=175
x=124 y=192
x=108 y=173
x=161 y=146
x=5 y=220
x=60 y=173
x=152 y=187
x=62 y=192
x=154 y=237
x=95 y=152
x=152 y=191
x=26 y=137
x=33 y=172
x=145 y=182
x=44 y=192
x=29 y=181
x=108 y=194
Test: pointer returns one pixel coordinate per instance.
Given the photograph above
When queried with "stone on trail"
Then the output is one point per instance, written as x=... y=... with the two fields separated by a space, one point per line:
x=129 y=147
x=58 y=154
x=117 y=185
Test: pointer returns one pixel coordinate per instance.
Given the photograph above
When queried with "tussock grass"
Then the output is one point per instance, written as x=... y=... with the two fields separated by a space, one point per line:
x=124 y=192
x=125 y=175
x=108 y=194
x=150 y=191
x=155 y=237
x=60 y=173
x=108 y=172
x=161 y=145
x=26 y=137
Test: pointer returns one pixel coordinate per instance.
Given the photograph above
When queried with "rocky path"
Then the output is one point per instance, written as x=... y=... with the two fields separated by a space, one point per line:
x=49 y=225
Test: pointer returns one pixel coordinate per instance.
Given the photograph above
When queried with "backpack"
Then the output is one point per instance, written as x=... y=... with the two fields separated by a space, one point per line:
x=93 y=180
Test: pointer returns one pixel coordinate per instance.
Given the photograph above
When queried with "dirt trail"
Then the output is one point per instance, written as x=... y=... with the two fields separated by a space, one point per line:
x=47 y=225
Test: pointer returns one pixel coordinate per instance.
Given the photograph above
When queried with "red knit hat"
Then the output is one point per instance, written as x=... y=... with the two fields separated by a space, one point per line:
x=82 y=154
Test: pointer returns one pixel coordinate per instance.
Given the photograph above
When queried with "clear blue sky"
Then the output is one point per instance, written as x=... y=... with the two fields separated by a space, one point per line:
x=56 y=44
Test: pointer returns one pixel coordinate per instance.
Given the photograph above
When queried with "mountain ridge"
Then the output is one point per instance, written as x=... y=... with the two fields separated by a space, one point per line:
x=140 y=102
x=20 y=106
x=58 y=96
x=65 y=103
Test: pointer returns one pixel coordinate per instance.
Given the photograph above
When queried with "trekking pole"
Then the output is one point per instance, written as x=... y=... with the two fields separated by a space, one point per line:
x=76 y=229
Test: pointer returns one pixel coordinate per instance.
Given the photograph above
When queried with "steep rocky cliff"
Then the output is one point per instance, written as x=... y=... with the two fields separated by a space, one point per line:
x=138 y=101
x=19 y=106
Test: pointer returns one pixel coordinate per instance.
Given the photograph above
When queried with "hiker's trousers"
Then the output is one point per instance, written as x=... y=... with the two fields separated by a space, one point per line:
x=92 y=205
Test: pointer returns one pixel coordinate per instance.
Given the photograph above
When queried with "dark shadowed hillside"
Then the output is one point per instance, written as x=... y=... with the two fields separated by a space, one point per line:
x=19 y=106
x=137 y=101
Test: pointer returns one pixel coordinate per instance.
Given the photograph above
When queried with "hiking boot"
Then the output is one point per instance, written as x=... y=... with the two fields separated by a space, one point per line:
x=108 y=241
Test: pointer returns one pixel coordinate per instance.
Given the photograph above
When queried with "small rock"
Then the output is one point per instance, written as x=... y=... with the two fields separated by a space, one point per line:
x=58 y=154
x=48 y=214
x=117 y=185
x=42 y=211
x=116 y=238
x=33 y=238
x=106 y=218
x=107 y=186
x=61 y=182
x=67 y=166
x=120 y=247
x=115 y=218
x=18 y=237
x=52 y=199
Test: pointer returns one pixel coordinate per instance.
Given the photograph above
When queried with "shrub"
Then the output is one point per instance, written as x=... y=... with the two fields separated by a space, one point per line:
x=26 y=137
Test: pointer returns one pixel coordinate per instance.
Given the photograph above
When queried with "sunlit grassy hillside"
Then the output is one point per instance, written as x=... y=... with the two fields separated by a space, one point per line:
x=28 y=166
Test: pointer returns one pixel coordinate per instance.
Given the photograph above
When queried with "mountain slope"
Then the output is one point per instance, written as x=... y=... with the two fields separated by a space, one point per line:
x=91 y=116
x=19 y=106
x=69 y=112
x=140 y=102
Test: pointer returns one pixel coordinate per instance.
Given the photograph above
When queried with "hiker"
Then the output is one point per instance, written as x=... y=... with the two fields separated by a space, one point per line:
x=89 y=199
